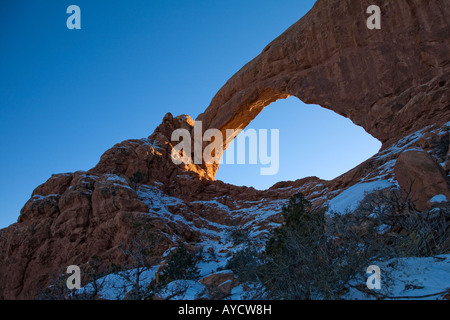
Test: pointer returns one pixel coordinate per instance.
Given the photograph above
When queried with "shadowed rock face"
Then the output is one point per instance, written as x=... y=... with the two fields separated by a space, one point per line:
x=391 y=81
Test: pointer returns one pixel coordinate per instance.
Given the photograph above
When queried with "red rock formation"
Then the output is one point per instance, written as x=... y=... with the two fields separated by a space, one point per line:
x=393 y=82
x=220 y=283
x=418 y=174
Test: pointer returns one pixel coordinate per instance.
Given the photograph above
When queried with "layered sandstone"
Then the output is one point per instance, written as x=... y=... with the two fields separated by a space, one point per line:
x=391 y=81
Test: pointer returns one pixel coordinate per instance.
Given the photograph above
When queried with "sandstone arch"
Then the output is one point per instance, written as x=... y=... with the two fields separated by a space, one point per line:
x=391 y=81
x=313 y=141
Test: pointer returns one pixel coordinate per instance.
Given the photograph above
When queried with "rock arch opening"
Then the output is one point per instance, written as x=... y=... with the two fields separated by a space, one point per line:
x=313 y=141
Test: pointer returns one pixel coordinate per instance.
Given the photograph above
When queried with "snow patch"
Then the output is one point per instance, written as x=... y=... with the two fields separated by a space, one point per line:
x=349 y=199
x=38 y=197
x=411 y=278
x=439 y=198
x=113 y=177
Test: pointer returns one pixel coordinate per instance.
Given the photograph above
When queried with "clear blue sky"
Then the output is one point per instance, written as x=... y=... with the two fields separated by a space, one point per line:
x=66 y=96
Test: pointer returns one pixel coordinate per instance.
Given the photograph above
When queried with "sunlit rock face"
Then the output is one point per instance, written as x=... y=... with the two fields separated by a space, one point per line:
x=392 y=81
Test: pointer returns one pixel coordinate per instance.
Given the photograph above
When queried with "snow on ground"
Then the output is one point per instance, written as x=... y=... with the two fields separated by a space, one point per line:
x=411 y=278
x=402 y=276
x=260 y=214
x=402 y=144
x=414 y=278
x=214 y=203
x=115 y=286
x=151 y=143
x=118 y=181
x=349 y=199
x=216 y=240
x=38 y=197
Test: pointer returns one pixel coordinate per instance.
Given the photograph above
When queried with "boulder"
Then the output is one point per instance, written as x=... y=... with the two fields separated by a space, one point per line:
x=220 y=284
x=421 y=177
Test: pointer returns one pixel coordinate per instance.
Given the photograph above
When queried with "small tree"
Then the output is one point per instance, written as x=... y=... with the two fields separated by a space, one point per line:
x=297 y=220
x=142 y=248
x=180 y=266
x=238 y=236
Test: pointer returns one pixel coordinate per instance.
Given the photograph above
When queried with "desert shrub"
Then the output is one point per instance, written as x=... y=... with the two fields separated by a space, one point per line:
x=58 y=289
x=137 y=178
x=314 y=256
x=239 y=236
x=311 y=256
x=409 y=232
x=245 y=264
x=180 y=266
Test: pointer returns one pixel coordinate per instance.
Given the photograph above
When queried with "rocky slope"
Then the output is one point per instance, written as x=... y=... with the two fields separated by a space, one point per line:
x=329 y=58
